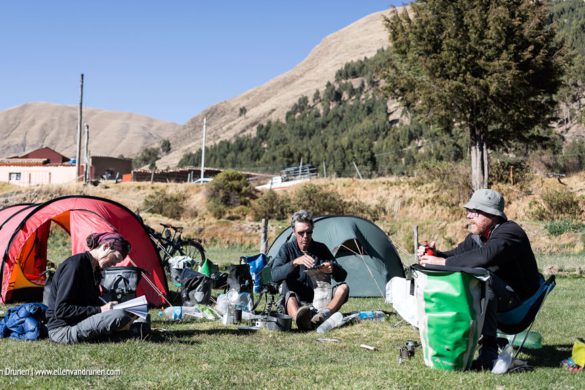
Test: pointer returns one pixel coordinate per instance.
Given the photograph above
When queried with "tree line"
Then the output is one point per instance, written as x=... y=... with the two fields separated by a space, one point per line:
x=474 y=79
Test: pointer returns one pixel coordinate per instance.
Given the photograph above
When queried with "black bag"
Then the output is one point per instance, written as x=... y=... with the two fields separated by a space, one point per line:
x=120 y=283
x=196 y=287
x=240 y=279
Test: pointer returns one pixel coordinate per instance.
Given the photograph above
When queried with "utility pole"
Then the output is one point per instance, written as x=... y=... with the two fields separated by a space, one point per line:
x=86 y=159
x=203 y=151
x=79 y=129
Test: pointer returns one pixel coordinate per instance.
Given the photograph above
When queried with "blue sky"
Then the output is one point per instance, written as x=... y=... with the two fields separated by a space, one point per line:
x=165 y=59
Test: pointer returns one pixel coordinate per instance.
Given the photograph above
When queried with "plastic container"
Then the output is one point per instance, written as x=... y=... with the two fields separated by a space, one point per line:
x=372 y=315
x=229 y=317
x=181 y=313
x=245 y=302
x=334 y=321
x=504 y=361
x=322 y=294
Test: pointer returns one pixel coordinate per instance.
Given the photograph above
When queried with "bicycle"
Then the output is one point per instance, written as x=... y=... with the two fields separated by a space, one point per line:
x=170 y=243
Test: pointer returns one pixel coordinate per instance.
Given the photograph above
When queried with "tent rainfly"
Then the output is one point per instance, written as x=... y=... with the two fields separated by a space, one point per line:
x=361 y=247
x=24 y=233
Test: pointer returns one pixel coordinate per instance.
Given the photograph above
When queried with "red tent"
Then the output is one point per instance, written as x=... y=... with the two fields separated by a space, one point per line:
x=24 y=232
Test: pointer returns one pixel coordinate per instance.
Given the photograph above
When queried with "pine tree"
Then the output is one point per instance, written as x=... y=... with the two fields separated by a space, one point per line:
x=490 y=67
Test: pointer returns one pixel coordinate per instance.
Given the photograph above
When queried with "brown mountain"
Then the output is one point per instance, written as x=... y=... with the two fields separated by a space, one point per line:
x=272 y=100
x=35 y=125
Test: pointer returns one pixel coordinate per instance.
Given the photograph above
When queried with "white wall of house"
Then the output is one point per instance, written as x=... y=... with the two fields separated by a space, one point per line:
x=35 y=175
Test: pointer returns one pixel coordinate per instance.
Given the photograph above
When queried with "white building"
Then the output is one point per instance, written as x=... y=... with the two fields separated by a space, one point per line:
x=35 y=171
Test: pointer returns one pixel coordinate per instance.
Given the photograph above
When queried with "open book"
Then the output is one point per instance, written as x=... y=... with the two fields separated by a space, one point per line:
x=137 y=306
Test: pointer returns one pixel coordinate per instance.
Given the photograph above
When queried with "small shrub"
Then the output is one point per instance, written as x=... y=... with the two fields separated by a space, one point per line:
x=272 y=206
x=555 y=205
x=362 y=209
x=166 y=204
x=556 y=228
x=216 y=209
x=454 y=177
x=510 y=171
x=228 y=190
x=318 y=201
x=238 y=213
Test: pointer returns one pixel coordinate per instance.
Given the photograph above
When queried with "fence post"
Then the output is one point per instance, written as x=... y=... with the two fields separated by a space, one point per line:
x=415 y=243
x=264 y=235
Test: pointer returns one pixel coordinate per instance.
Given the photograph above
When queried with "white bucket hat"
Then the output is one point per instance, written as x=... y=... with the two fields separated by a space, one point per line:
x=488 y=201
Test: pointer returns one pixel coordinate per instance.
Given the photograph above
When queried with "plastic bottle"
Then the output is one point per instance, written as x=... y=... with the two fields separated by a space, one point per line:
x=533 y=341
x=372 y=315
x=222 y=304
x=504 y=361
x=181 y=312
x=322 y=294
x=334 y=321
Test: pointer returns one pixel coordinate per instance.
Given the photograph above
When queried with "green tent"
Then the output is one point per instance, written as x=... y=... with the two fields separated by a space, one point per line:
x=361 y=247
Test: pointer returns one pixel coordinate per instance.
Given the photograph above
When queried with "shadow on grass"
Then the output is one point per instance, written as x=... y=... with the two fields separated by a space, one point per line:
x=185 y=336
x=548 y=355
x=182 y=336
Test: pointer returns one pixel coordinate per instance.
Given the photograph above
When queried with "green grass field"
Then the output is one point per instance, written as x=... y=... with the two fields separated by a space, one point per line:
x=212 y=355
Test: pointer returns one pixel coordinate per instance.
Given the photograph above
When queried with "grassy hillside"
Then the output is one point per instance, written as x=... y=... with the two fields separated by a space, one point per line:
x=434 y=205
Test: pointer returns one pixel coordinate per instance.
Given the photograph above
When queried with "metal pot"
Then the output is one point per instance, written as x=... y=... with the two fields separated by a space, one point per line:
x=276 y=321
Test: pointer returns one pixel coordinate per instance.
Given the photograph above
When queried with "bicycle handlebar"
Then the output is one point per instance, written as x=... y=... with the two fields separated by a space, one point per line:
x=178 y=229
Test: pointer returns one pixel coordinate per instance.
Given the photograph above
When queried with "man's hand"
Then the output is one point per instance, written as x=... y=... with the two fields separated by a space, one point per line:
x=434 y=260
x=305 y=260
x=421 y=250
x=326 y=268
x=108 y=306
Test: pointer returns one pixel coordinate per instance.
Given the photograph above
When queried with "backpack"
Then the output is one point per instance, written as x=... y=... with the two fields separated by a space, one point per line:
x=196 y=287
x=120 y=283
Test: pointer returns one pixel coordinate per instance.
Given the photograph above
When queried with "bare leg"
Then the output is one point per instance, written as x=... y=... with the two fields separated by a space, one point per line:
x=292 y=306
x=338 y=299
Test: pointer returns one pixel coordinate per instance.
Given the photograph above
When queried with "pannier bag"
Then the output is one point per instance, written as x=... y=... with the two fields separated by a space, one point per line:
x=177 y=265
x=120 y=283
x=196 y=287
x=451 y=306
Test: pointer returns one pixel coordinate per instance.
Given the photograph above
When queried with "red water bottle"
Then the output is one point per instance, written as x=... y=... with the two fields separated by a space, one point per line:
x=428 y=250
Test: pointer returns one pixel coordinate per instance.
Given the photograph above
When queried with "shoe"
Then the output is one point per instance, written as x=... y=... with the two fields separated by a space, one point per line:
x=486 y=359
x=303 y=318
x=140 y=329
x=319 y=318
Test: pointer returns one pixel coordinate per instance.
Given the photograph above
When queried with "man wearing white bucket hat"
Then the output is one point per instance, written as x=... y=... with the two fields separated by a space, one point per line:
x=502 y=247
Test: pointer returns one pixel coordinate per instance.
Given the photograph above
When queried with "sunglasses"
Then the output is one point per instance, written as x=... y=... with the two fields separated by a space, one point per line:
x=305 y=233
x=474 y=213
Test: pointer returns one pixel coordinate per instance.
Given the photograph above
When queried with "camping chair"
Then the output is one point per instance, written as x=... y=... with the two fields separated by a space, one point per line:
x=522 y=317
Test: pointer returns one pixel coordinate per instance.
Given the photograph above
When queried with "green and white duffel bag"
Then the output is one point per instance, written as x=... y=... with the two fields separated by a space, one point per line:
x=451 y=304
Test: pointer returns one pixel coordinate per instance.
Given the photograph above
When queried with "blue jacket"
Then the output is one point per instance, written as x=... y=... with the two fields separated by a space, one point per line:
x=24 y=322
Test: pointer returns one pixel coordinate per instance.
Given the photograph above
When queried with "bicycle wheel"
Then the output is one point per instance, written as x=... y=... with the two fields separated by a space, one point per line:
x=193 y=249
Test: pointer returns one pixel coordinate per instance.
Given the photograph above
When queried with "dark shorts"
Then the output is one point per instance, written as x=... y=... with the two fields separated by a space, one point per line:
x=288 y=294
